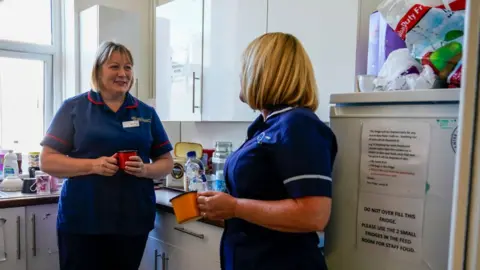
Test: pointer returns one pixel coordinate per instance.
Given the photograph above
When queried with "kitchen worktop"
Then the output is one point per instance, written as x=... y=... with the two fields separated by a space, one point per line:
x=18 y=199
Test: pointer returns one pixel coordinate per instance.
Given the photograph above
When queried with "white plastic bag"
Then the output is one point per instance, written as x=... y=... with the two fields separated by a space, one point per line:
x=392 y=75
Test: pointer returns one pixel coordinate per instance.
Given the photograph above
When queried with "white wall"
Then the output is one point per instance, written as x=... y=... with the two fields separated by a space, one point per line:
x=207 y=133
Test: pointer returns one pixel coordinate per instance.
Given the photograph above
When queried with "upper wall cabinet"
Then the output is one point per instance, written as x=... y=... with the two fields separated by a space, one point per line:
x=199 y=44
x=229 y=26
x=329 y=39
x=179 y=27
x=100 y=23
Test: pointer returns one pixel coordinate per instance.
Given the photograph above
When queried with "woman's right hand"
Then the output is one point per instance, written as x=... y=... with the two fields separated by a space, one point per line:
x=106 y=166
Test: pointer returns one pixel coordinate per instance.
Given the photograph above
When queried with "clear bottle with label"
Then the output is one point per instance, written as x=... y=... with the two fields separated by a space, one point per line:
x=219 y=158
x=195 y=177
x=10 y=164
x=222 y=151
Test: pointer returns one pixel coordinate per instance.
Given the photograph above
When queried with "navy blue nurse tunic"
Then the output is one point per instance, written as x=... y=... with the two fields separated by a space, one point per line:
x=288 y=155
x=123 y=204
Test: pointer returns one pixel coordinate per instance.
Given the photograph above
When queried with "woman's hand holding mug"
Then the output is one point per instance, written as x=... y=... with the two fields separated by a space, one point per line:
x=106 y=166
x=135 y=166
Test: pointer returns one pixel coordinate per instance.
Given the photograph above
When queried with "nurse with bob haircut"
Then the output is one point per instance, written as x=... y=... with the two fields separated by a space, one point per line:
x=279 y=180
x=106 y=211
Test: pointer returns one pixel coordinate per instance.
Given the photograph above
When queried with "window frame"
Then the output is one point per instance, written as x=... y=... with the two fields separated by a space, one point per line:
x=51 y=54
x=48 y=81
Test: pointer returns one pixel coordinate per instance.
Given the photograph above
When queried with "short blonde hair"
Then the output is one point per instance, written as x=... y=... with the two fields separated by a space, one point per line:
x=104 y=52
x=276 y=70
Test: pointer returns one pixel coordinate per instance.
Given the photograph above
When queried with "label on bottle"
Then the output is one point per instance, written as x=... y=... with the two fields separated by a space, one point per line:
x=218 y=160
x=8 y=171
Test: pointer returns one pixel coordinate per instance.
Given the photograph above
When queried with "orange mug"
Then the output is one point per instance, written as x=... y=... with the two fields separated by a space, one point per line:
x=124 y=156
x=185 y=207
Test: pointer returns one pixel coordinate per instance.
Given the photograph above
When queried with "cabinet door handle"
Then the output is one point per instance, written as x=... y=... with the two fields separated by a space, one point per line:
x=2 y=230
x=193 y=89
x=155 y=264
x=194 y=78
x=198 y=235
x=166 y=263
x=34 y=235
x=163 y=261
x=18 y=239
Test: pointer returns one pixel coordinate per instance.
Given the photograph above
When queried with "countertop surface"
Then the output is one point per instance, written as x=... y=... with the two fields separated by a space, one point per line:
x=18 y=199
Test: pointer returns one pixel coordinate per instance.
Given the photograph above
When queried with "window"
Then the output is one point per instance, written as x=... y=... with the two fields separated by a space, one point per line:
x=30 y=47
x=28 y=21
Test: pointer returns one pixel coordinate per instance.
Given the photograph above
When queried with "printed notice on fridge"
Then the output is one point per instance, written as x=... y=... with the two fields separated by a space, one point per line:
x=390 y=226
x=394 y=157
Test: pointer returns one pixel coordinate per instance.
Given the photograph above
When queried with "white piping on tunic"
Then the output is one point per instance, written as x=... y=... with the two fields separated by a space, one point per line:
x=306 y=176
x=278 y=112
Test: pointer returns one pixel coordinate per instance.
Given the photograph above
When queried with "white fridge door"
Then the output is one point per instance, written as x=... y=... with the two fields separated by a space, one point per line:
x=464 y=250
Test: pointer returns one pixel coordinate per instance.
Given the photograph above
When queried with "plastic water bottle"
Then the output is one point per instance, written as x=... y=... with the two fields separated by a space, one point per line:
x=195 y=178
x=10 y=164
x=222 y=151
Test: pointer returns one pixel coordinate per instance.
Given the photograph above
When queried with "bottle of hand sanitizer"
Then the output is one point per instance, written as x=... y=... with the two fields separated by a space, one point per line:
x=10 y=164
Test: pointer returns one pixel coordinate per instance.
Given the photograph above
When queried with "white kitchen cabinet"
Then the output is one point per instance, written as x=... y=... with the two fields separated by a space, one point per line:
x=161 y=256
x=100 y=23
x=194 y=245
x=193 y=237
x=229 y=26
x=29 y=238
x=13 y=243
x=199 y=44
x=155 y=255
x=178 y=50
x=329 y=39
x=42 y=250
x=178 y=259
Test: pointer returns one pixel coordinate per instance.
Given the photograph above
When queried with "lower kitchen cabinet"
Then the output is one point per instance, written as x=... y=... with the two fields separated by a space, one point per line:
x=12 y=239
x=178 y=259
x=28 y=238
x=178 y=247
x=161 y=256
x=42 y=250
x=154 y=256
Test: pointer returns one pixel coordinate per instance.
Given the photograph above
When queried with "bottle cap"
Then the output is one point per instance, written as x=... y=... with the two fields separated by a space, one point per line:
x=191 y=154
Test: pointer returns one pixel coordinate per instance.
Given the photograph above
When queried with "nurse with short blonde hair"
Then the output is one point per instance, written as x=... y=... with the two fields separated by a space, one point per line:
x=279 y=180
x=105 y=211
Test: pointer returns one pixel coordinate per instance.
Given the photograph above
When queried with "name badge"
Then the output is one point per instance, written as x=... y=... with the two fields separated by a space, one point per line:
x=130 y=124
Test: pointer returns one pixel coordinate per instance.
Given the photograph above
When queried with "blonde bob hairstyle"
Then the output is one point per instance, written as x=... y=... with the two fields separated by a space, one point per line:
x=276 y=70
x=104 y=52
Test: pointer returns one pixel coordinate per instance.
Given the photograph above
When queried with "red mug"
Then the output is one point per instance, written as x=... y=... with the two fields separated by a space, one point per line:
x=124 y=156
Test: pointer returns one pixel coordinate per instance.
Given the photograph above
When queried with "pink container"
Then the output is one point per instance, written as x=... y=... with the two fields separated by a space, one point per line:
x=2 y=157
x=43 y=184
x=53 y=184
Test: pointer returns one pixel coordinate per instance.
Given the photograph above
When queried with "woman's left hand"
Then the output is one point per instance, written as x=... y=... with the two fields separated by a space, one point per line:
x=135 y=166
x=216 y=205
